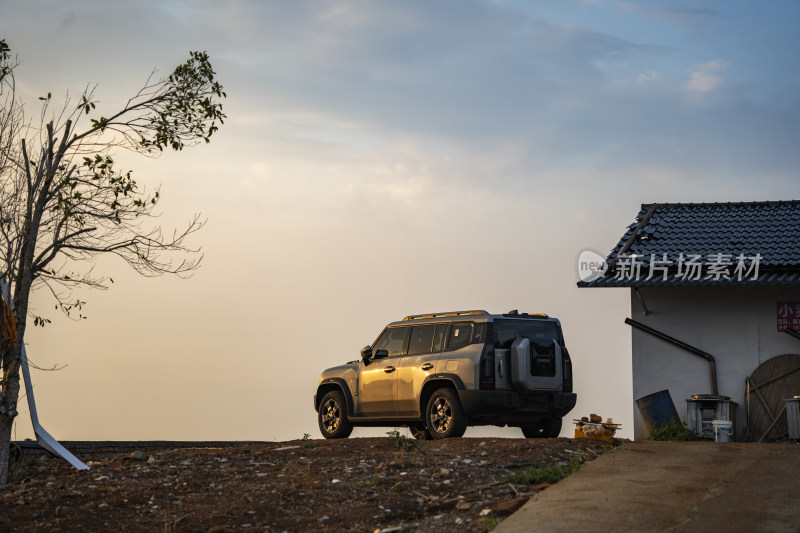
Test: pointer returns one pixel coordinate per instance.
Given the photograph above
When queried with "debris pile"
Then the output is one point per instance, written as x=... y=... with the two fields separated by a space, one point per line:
x=593 y=427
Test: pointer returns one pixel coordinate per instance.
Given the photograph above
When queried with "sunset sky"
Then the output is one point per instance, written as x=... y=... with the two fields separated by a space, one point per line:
x=385 y=158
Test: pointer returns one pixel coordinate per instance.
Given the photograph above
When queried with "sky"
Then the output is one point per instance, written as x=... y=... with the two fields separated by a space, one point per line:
x=386 y=158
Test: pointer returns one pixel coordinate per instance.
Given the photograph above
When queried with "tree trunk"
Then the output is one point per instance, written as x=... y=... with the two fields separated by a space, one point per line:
x=10 y=388
x=6 y=423
x=8 y=412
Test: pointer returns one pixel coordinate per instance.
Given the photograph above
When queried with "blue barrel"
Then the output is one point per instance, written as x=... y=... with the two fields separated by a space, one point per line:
x=657 y=410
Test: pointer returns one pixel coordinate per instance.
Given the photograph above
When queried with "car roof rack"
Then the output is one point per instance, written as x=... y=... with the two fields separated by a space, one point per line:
x=517 y=314
x=447 y=314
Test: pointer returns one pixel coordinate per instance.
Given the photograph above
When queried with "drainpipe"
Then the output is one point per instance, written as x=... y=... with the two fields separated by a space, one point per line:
x=712 y=368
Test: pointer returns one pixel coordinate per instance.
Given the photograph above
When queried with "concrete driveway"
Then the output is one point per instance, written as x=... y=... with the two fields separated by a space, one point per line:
x=673 y=486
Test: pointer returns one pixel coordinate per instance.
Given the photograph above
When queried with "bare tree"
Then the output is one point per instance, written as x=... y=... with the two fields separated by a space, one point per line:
x=63 y=202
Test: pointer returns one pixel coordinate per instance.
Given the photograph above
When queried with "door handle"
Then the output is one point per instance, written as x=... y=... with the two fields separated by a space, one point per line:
x=427 y=366
x=389 y=369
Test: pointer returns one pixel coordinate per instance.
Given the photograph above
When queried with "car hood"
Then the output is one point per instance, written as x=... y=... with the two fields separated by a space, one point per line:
x=338 y=371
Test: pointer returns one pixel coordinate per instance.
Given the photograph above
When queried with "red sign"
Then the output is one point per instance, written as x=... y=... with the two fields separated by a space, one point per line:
x=788 y=316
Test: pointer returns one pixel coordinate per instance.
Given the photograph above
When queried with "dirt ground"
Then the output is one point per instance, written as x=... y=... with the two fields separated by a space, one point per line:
x=364 y=484
x=680 y=487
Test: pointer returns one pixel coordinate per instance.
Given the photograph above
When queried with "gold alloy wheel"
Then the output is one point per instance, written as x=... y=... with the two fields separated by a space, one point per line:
x=441 y=415
x=331 y=416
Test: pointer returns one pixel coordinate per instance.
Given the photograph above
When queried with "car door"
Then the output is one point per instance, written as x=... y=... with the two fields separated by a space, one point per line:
x=424 y=348
x=378 y=379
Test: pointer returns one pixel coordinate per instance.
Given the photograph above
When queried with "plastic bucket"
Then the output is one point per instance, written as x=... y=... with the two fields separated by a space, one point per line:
x=723 y=430
x=657 y=410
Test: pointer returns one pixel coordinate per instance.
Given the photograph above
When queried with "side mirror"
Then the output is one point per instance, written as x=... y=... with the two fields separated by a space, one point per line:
x=366 y=354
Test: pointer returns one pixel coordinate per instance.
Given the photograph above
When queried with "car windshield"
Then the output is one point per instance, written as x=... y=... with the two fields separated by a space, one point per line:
x=508 y=330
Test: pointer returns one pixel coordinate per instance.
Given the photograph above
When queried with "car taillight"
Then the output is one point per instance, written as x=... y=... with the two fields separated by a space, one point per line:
x=566 y=369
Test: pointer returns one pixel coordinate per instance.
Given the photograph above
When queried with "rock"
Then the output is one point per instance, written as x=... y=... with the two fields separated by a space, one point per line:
x=444 y=472
x=507 y=507
x=139 y=456
x=102 y=505
x=463 y=506
x=151 y=460
x=62 y=510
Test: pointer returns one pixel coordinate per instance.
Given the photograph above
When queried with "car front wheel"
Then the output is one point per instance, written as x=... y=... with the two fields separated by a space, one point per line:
x=332 y=416
x=444 y=416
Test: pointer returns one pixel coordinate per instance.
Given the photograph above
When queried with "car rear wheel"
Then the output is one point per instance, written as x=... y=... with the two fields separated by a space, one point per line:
x=545 y=428
x=332 y=416
x=444 y=416
x=419 y=431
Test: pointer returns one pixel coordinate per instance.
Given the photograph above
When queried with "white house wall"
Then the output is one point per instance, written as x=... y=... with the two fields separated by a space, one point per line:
x=737 y=325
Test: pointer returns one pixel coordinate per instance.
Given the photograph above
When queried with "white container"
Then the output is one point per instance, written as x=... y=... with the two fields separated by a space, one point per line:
x=702 y=409
x=723 y=430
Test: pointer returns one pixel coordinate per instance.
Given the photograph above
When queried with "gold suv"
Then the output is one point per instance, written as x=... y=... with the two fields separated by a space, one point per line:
x=439 y=373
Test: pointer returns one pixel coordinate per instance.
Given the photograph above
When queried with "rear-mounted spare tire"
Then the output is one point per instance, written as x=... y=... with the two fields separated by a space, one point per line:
x=536 y=366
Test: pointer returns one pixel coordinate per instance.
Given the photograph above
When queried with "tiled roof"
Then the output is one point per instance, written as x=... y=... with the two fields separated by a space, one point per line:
x=744 y=233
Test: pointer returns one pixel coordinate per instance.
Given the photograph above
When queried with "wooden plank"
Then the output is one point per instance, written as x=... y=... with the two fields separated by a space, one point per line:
x=773 y=381
x=776 y=378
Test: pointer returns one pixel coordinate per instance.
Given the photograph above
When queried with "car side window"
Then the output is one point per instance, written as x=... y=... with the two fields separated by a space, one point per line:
x=393 y=341
x=438 y=337
x=460 y=335
x=421 y=339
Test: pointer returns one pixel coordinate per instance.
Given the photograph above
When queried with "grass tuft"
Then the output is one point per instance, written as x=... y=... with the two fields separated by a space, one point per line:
x=674 y=430
x=403 y=443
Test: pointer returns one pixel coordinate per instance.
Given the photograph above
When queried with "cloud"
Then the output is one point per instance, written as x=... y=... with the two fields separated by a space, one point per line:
x=690 y=18
x=707 y=78
x=648 y=76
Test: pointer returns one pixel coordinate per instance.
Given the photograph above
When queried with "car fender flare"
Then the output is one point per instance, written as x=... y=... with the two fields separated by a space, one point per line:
x=333 y=384
x=451 y=379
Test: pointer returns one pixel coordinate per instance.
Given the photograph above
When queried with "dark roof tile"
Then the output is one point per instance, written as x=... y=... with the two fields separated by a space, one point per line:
x=771 y=229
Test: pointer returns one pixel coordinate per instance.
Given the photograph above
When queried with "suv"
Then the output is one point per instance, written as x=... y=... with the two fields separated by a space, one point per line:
x=439 y=373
